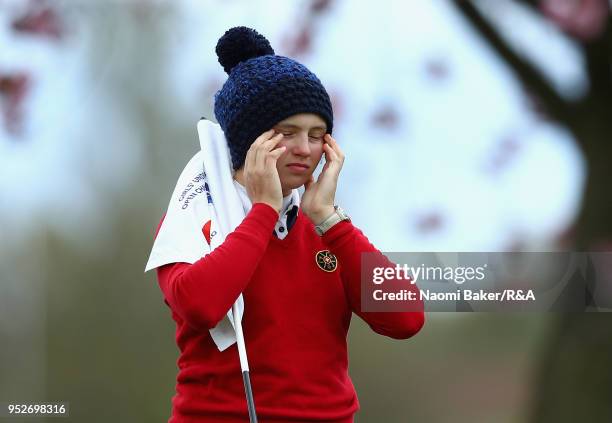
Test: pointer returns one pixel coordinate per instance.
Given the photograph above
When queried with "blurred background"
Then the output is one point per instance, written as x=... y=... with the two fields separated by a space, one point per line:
x=467 y=126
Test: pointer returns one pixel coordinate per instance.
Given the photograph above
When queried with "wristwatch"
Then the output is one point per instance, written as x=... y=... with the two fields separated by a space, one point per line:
x=338 y=216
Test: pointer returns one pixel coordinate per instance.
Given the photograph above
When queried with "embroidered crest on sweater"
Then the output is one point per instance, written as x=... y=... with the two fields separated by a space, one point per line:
x=326 y=261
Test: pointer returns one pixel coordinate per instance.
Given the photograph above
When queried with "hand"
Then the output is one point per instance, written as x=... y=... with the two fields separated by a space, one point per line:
x=318 y=199
x=261 y=177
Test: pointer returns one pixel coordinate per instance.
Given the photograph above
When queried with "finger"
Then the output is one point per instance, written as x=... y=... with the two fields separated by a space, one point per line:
x=263 y=150
x=260 y=149
x=252 y=151
x=332 y=164
x=249 y=160
x=331 y=141
x=264 y=137
x=269 y=144
x=254 y=148
x=276 y=153
x=330 y=153
x=336 y=159
x=257 y=157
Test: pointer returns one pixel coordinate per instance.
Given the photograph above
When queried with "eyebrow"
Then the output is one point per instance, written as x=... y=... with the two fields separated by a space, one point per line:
x=292 y=126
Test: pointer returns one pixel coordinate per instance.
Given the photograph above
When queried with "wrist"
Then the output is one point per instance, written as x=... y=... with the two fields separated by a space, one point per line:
x=277 y=210
x=336 y=217
x=317 y=217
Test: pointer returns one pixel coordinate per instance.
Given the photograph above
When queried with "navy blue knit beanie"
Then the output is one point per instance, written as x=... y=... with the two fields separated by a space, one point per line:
x=262 y=89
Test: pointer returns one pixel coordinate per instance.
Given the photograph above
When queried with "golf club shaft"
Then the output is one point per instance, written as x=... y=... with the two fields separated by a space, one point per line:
x=244 y=364
x=249 y=396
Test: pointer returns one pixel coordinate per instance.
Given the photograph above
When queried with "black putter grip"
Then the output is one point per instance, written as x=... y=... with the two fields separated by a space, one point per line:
x=249 y=396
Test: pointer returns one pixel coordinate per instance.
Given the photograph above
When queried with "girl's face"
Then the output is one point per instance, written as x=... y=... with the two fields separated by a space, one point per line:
x=303 y=137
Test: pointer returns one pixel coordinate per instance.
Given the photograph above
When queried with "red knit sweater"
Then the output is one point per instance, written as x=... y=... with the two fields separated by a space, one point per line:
x=295 y=323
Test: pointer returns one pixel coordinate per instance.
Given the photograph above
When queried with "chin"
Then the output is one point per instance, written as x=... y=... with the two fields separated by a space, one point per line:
x=295 y=182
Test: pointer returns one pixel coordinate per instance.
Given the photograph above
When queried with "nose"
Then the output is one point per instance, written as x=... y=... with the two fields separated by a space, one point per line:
x=300 y=145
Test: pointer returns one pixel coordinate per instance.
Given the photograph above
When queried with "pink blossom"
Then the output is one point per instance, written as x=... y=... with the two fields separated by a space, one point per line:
x=13 y=89
x=583 y=19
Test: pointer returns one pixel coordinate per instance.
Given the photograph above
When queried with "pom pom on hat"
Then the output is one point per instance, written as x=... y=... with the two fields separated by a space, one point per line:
x=239 y=44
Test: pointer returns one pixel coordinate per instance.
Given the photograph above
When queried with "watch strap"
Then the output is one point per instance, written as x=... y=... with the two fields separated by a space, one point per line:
x=336 y=217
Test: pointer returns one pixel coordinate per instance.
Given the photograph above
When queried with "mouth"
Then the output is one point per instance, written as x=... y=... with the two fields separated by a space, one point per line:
x=298 y=167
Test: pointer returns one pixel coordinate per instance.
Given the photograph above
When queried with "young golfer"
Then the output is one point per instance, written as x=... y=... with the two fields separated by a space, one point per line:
x=295 y=261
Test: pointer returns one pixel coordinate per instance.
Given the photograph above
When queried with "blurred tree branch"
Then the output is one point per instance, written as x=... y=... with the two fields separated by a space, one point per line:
x=599 y=63
x=575 y=383
x=598 y=53
x=530 y=78
x=589 y=119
